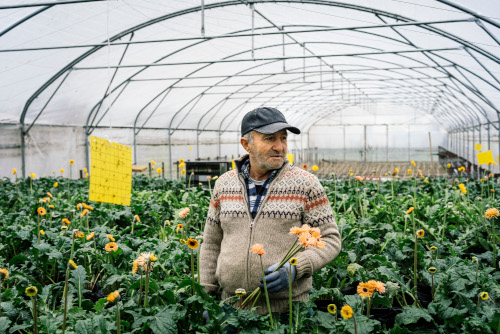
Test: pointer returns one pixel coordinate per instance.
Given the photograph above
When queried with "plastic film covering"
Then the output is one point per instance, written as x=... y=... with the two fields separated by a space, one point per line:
x=173 y=79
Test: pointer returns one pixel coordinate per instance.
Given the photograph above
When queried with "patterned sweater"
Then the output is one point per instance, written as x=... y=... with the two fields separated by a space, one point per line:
x=295 y=197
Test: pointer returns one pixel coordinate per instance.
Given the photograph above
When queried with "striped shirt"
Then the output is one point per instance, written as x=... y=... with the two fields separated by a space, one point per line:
x=256 y=190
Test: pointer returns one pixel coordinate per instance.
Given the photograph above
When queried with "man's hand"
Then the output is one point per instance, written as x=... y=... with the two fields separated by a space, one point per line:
x=278 y=280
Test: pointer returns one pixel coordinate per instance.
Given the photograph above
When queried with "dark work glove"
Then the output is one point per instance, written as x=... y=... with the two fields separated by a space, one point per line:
x=278 y=280
x=206 y=317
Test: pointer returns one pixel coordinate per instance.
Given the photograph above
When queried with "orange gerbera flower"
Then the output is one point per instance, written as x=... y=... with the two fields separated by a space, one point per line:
x=379 y=286
x=359 y=178
x=110 y=237
x=41 y=211
x=66 y=221
x=365 y=289
x=84 y=212
x=304 y=166
x=295 y=230
x=258 y=249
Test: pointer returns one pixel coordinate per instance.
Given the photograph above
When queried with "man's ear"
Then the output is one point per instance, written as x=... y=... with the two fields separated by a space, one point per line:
x=245 y=143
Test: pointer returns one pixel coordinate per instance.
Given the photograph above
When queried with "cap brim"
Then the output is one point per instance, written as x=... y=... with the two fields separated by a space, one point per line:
x=275 y=127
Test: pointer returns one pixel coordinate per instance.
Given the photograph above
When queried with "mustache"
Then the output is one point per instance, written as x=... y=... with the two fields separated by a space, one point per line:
x=282 y=154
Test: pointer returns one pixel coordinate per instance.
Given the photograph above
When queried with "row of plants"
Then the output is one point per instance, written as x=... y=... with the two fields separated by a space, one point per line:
x=418 y=255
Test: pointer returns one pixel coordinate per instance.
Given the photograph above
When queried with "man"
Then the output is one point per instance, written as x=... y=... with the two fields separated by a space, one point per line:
x=258 y=203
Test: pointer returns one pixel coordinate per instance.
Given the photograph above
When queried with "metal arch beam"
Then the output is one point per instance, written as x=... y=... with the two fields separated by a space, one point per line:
x=468 y=11
x=47 y=4
x=281 y=32
x=24 y=19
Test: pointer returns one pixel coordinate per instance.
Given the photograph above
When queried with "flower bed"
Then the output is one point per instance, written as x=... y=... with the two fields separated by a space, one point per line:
x=81 y=267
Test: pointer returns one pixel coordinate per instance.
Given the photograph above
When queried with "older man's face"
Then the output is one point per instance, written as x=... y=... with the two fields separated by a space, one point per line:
x=269 y=151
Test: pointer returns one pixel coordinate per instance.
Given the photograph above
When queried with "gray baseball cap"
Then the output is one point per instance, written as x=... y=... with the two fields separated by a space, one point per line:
x=265 y=120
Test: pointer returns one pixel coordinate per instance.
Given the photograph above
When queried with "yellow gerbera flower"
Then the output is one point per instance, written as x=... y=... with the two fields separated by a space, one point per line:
x=64 y=228
x=181 y=161
x=159 y=170
x=61 y=170
x=293 y=261
x=135 y=266
x=32 y=175
x=112 y=296
x=14 y=171
x=409 y=171
x=73 y=264
x=420 y=233
x=240 y=292
x=110 y=237
x=112 y=246
x=413 y=163
x=448 y=165
x=314 y=168
x=491 y=213
x=41 y=211
x=71 y=162
x=433 y=248
x=484 y=295
x=332 y=308
x=183 y=172
x=137 y=218
x=153 y=258
x=42 y=232
x=4 y=274
x=346 y=312
x=432 y=270
x=56 y=185
x=192 y=243
x=90 y=236
x=31 y=291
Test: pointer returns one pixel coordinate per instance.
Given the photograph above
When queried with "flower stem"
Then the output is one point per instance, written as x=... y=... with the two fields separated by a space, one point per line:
x=118 y=326
x=267 y=295
x=192 y=270
x=140 y=291
x=415 y=266
x=65 y=293
x=38 y=229
x=35 y=327
x=146 y=287
x=432 y=288
x=494 y=244
x=290 y=299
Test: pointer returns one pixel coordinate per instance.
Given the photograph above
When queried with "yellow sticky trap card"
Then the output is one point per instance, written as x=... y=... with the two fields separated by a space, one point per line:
x=478 y=147
x=289 y=156
x=110 y=172
x=485 y=158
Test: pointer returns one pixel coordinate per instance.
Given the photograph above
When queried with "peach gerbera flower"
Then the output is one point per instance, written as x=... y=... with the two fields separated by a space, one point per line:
x=258 y=249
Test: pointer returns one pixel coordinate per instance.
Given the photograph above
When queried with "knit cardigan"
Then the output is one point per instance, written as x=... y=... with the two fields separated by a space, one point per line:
x=295 y=197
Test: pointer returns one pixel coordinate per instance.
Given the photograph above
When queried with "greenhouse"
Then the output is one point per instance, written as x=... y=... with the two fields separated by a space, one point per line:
x=124 y=127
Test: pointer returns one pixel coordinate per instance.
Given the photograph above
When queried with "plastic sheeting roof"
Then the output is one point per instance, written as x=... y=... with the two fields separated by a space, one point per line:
x=197 y=64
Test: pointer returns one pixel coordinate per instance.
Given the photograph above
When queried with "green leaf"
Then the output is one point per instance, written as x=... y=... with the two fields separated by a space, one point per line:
x=165 y=321
x=4 y=324
x=411 y=315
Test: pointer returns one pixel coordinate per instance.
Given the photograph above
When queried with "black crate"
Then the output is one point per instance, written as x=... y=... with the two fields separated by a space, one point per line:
x=199 y=170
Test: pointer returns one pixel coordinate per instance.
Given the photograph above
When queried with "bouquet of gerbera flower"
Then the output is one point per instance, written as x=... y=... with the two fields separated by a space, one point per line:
x=307 y=237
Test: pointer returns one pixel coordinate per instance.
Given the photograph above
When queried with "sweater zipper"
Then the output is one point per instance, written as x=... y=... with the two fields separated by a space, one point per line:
x=256 y=216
